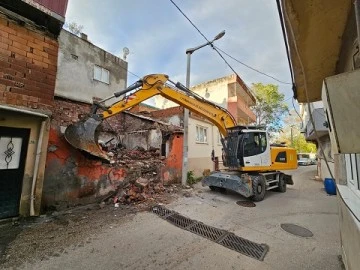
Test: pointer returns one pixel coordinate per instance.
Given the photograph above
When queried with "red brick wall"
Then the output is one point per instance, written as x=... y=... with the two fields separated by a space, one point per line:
x=163 y=113
x=28 y=65
x=142 y=108
x=66 y=112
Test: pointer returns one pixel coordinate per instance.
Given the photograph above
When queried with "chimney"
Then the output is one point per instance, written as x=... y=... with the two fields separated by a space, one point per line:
x=83 y=36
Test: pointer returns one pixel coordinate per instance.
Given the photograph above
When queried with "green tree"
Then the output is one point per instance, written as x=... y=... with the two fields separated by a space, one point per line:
x=292 y=136
x=74 y=28
x=270 y=107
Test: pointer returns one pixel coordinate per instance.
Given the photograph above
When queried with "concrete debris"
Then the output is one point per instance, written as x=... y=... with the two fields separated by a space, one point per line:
x=102 y=205
x=143 y=179
x=187 y=194
x=134 y=193
x=141 y=182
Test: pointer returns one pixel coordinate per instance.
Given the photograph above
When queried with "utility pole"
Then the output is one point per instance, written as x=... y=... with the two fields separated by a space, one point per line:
x=291 y=135
x=186 y=111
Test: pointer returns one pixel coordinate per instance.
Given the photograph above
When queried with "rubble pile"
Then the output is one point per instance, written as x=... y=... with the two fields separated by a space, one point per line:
x=143 y=181
x=140 y=190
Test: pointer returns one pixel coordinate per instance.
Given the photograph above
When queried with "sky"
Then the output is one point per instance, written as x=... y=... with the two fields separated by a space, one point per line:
x=157 y=35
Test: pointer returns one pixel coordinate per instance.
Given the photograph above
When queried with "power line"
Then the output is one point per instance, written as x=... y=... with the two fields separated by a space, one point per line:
x=189 y=20
x=249 y=67
x=288 y=99
x=286 y=47
x=212 y=46
x=296 y=110
x=132 y=73
x=218 y=50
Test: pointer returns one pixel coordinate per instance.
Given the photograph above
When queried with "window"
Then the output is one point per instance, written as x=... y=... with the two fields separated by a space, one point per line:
x=101 y=74
x=352 y=162
x=255 y=143
x=10 y=150
x=201 y=134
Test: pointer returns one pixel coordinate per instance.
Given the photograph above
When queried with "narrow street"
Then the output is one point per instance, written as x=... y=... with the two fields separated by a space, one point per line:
x=146 y=241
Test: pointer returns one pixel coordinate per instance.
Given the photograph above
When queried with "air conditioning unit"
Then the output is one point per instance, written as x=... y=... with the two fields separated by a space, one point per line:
x=341 y=97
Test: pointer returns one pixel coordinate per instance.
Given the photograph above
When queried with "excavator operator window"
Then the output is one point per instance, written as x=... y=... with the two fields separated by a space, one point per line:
x=263 y=142
x=255 y=144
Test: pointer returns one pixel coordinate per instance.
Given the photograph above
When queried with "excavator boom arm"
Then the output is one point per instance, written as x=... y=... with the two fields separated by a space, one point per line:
x=156 y=85
x=83 y=134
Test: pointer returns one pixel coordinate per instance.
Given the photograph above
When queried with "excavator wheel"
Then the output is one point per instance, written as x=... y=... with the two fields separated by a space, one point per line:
x=282 y=184
x=258 y=187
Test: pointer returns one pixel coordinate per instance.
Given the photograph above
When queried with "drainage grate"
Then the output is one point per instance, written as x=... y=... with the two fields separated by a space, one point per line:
x=296 y=230
x=246 y=247
x=246 y=203
x=222 y=237
x=207 y=231
x=161 y=211
x=180 y=221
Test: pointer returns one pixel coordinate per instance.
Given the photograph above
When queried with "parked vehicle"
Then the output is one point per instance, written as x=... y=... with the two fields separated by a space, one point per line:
x=313 y=161
x=305 y=159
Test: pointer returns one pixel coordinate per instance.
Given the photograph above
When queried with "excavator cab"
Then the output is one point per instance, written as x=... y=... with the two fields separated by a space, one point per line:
x=246 y=146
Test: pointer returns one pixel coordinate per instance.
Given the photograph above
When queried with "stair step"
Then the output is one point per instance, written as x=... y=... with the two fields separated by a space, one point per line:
x=272 y=187
x=272 y=181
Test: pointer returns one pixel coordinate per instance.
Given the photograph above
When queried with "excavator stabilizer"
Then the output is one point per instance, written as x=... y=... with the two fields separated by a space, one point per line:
x=83 y=135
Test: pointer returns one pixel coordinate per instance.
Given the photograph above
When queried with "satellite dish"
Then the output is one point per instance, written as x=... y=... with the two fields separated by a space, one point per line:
x=126 y=52
x=207 y=94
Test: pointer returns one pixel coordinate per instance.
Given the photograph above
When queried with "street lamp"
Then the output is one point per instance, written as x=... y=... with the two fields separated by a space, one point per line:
x=186 y=111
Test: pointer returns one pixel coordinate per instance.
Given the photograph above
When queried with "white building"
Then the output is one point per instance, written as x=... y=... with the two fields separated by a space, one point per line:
x=318 y=114
x=231 y=93
x=87 y=72
x=324 y=40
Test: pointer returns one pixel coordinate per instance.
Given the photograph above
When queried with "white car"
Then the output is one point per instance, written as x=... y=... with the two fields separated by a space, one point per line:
x=304 y=160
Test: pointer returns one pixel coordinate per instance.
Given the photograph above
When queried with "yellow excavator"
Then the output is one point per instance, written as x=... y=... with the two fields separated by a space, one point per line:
x=253 y=165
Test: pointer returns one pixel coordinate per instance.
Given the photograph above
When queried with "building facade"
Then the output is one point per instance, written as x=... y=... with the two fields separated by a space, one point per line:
x=324 y=41
x=87 y=72
x=321 y=130
x=28 y=60
x=229 y=92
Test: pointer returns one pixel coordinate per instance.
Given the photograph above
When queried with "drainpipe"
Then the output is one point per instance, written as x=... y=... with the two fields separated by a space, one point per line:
x=36 y=167
x=357 y=17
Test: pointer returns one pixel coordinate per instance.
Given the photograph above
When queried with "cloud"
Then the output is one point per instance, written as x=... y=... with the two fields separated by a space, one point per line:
x=158 y=35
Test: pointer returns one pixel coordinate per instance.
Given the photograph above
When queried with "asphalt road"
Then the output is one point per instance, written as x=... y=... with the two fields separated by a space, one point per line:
x=149 y=242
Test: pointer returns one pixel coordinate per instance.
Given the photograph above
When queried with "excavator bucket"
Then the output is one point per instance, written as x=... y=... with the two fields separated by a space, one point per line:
x=83 y=135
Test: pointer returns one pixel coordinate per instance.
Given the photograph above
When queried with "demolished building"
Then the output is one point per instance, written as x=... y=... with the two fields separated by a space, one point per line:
x=140 y=146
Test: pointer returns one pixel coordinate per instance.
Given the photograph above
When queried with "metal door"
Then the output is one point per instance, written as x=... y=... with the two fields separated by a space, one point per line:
x=13 y=149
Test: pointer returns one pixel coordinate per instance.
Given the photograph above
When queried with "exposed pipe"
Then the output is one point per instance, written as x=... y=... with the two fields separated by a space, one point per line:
x=36 y=167
x=357 y=17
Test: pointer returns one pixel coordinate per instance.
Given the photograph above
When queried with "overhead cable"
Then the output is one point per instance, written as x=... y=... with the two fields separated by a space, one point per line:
x=218 y=50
